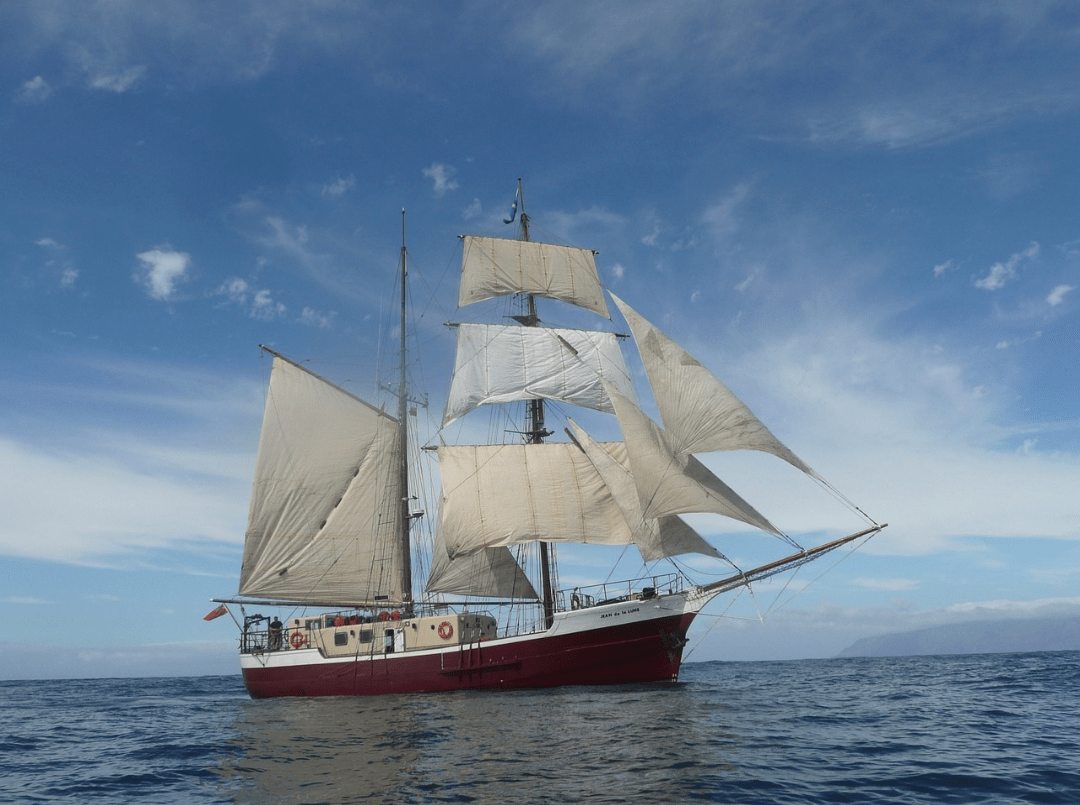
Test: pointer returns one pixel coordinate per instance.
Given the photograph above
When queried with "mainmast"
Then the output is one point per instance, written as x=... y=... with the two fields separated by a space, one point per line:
x=535 y=432
x=403 y=426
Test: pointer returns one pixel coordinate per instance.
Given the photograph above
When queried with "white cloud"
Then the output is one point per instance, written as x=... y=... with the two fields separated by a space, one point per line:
x=264 y=307
x=442 y=177
x=236 y=289
x=941 y=268
x=36 y=90
x=161 y=271
x=1001 y=273
x=1057 y=296
x=259 y=303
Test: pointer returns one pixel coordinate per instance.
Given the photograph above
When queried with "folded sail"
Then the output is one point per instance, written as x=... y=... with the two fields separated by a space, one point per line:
x=655 y=538
x=499 y=266
x=489 y=573
x=326 y=500
x=498 y=363
x=700 y=413
x=672 y=483
x=507 y=494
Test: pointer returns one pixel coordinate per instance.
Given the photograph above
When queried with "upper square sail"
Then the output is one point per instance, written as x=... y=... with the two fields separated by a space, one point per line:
x=499 y=266
x=326 y=498
x=501 y=363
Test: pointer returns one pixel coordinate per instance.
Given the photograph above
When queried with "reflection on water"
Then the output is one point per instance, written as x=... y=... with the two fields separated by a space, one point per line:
x=565 y=744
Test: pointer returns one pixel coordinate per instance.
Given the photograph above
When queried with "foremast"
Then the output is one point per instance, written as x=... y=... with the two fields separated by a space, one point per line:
x=535 y=431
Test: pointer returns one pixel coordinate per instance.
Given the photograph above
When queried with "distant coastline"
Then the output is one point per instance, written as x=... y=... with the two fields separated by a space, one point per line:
x=974 y=637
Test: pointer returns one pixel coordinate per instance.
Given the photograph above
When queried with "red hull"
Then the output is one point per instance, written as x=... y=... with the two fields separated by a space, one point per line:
x=644 y=651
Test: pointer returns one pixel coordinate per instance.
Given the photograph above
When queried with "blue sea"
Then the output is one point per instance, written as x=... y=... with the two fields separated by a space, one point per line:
x=1001 y=728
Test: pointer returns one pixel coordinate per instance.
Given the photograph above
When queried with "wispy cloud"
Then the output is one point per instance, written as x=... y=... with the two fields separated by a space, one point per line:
x=1057 y=296
x=26 y=601
x=339 y=187
x=159 y=457
x=1001 y=273
x=473 y=211
x=36 y=90
x=58 y=264
x=894 y=585
x=722 y=218
x=314 y=318
x=906 y=431
x=119 y=82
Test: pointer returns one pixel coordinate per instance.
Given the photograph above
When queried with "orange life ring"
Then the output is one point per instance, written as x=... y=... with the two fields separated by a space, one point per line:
x=384 y=616
x=297 y=639
x=339 y=621
x=446 y=631
x=395 y=615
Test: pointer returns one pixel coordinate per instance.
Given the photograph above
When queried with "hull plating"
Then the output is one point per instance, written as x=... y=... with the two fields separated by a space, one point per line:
x=639 y=650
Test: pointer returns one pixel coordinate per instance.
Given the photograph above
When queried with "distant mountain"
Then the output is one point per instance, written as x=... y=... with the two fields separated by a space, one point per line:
x=974 y=637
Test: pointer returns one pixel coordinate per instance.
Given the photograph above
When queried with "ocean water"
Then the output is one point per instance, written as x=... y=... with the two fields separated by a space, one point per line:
x=1001 y=728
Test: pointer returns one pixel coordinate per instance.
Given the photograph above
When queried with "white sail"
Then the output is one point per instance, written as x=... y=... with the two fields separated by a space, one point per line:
x=673 y=483
x=499 y=266
x=326 y=502
x=655 y=538
x=700 y=414
x=507 y=494
x=499 y=363
x=488 y=573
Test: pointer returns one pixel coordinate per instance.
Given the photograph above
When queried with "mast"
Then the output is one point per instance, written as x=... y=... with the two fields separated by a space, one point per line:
x=535 y=432
x=403 y=426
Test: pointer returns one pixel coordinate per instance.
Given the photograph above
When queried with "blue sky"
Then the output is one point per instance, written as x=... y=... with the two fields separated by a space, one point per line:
x=861 y=215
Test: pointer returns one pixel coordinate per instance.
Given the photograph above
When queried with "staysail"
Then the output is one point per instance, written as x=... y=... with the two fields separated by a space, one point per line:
x=656 y=538
x=700 y=414
x=325 y=501
x=488 y=573
x=673 y=483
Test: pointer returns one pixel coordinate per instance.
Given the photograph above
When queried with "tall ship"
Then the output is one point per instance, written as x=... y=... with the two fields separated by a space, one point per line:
x=370 y=601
